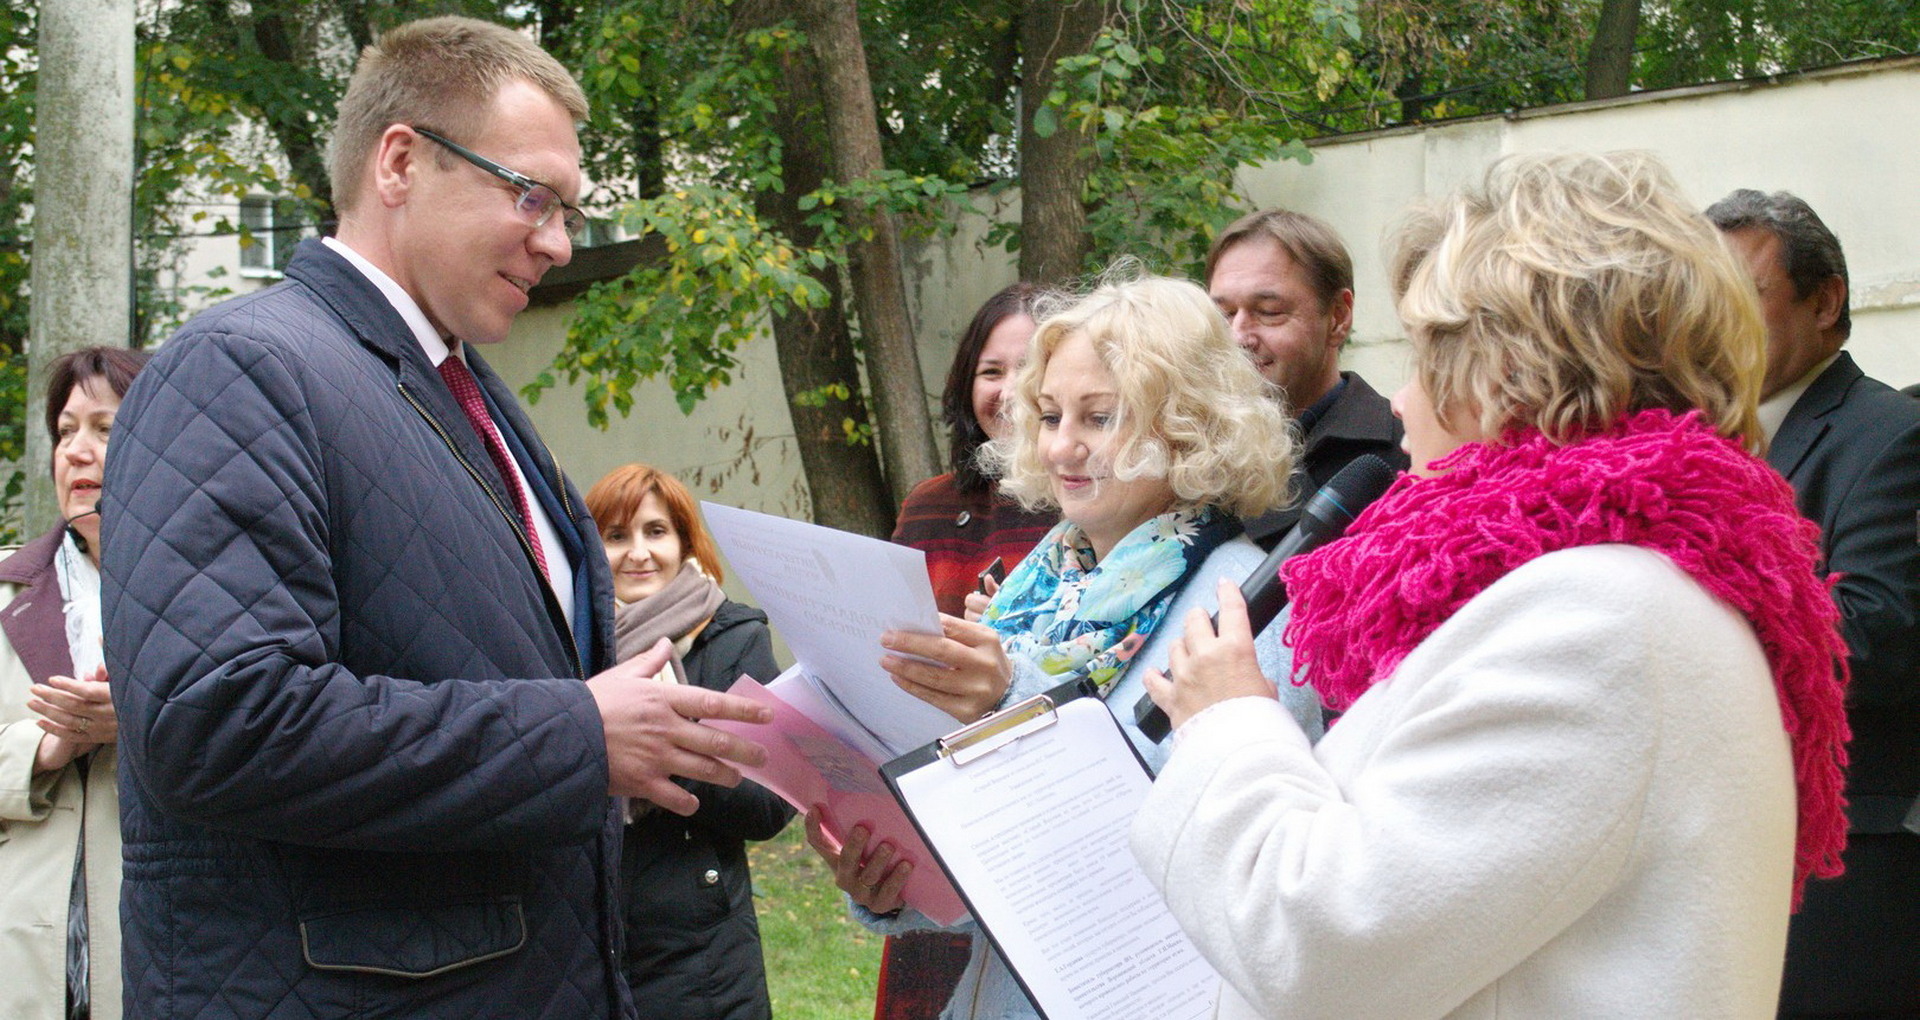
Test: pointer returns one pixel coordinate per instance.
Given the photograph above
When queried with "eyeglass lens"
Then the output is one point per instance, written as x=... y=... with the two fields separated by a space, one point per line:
x=539 y=202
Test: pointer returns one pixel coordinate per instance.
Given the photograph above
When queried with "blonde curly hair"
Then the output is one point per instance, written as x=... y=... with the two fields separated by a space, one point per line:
x=1192 y=408
x=1571 y=289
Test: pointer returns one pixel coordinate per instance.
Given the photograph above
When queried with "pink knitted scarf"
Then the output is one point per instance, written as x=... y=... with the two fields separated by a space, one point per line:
x=1656 y=480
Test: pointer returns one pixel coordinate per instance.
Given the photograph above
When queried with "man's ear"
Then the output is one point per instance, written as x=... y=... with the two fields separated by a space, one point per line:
x=1340 y=318
x=1830 y=297
x=395 y=161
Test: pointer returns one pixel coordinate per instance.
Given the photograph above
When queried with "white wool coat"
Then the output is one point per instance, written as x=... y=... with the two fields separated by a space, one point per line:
x=1573 y=799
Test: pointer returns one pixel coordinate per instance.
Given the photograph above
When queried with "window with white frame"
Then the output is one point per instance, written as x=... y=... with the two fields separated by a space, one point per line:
x=273 y=227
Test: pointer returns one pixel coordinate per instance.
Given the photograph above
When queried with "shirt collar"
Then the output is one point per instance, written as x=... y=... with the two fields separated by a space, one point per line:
x=402 y=302
x=1312 y=415
x=1773 y=410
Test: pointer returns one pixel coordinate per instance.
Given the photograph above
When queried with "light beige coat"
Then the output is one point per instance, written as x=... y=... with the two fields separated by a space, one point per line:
x=41 y=820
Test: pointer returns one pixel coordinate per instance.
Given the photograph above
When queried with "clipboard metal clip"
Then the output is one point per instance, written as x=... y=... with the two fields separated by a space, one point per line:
x=970 y=743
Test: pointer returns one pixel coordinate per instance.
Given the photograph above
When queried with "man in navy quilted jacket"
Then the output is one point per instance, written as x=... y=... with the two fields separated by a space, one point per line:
x=369 y=727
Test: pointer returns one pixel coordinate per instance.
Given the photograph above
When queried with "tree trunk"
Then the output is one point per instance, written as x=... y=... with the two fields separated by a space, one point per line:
x=1413 y=105
x=815 y=348
x=82 y=272
x=1610 y=58
x=353 y=15
x=267 y=49
x=905 y=430
x=296 y=132
x=1053 y=169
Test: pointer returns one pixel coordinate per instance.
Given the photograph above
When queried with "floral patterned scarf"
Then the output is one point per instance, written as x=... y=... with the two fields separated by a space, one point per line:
x=1069 y=614
x=1657 y=480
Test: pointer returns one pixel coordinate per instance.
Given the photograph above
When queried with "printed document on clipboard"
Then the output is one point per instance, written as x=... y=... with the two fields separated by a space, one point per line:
x=1027 y=812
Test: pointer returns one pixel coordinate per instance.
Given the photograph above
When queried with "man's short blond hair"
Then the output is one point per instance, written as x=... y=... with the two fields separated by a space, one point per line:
x=1569 y=290
x=441 y=74
x=1192 y=408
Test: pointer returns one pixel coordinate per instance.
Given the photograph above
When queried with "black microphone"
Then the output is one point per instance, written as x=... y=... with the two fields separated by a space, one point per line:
x=1324 y=519
x=79 y=540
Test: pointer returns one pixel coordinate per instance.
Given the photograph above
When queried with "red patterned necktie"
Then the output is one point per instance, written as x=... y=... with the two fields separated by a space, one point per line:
x=466 y=390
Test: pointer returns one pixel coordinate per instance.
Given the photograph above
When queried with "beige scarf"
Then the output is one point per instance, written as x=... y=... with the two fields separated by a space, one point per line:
x=677 y=612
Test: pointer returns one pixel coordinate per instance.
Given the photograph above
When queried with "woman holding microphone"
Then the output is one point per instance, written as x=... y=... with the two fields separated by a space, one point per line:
x=1593 y=734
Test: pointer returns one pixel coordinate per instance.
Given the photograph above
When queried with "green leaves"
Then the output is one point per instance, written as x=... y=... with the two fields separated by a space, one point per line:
x=685 y=315
x=1166 y=143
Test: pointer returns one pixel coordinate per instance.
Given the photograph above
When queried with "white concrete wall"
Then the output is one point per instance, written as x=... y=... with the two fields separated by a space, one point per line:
x=1838 y=138
x=735 y=448
x=1841 y=138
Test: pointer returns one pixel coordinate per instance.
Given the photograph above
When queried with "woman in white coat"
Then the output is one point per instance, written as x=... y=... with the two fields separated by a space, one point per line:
x=59 y=810
x=1593 y=732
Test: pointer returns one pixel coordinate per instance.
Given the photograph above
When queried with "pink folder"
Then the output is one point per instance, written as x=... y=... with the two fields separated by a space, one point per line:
x=806 y=765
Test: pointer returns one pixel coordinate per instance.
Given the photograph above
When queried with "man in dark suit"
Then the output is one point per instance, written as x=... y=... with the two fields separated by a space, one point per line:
x=1851 y=447
x=1285 y=283
x=369 y=715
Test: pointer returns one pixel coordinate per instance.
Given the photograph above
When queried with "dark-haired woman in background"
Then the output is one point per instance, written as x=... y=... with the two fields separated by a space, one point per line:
x=960 y=519
x=59 y=810
x=693 y=941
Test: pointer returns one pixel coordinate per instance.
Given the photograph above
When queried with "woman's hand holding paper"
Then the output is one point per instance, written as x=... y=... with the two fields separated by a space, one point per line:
x=967 y=673
x=876 y=881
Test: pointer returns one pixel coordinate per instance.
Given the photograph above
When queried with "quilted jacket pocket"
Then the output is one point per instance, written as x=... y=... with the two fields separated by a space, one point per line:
x=415 y=941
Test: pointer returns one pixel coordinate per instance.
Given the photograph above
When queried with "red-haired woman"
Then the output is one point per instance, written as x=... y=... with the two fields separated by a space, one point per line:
x=693 y=942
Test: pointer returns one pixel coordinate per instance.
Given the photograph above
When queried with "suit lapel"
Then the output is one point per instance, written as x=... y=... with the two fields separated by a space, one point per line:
x=1807 y=424
x=592 y=581
x=524 y=445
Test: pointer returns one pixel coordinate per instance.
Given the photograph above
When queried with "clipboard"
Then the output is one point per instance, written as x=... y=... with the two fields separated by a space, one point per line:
x=1027 y=813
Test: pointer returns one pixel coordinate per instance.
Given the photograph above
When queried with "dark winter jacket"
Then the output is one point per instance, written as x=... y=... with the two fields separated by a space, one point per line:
x=363 y=774
x=693 y=943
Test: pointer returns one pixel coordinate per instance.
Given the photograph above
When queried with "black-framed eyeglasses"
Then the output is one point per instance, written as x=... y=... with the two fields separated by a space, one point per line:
x=537 y=202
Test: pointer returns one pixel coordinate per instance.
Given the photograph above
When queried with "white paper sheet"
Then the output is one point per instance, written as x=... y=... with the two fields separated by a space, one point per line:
x=1035 y=834
x=831 y=594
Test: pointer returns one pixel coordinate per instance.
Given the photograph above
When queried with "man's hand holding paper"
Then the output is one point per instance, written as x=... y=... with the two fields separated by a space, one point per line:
x=653 y=736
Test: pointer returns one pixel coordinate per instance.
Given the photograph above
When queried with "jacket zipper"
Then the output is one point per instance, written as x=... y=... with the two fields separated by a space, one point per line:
x=526 y=547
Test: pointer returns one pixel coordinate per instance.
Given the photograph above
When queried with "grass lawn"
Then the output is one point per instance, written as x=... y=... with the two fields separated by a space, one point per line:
x=820 y=964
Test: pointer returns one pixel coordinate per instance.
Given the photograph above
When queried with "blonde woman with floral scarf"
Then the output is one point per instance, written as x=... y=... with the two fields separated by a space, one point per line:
x=1138 y=419
x=1593 y=736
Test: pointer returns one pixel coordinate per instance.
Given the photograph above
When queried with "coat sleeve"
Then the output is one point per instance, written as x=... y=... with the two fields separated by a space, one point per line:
x=1501 y=803
x=24 y=797
x=219 y=602
x=1871 y=542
